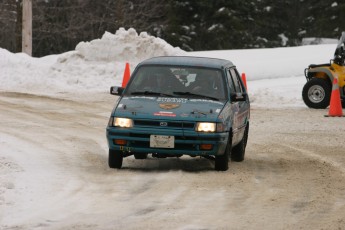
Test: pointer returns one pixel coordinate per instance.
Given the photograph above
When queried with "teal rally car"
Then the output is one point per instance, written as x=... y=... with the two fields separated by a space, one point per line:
x=177 y=105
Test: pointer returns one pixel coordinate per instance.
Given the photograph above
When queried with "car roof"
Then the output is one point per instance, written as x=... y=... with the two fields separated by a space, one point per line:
x=188 y=61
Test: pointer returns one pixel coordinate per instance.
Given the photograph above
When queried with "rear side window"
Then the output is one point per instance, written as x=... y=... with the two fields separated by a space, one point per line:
x=230 y=81
x=235 y=78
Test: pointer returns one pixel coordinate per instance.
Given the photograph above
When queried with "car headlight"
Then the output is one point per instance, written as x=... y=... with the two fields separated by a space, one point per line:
x=209 y=127
x=122 y=122
x=206 y=127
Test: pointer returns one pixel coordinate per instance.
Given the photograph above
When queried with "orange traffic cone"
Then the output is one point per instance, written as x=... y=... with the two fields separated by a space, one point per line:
x=244 y=80
x=335 y=108
x=126 y=75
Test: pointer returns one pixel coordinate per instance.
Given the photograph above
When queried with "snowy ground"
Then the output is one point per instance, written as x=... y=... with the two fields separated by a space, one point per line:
x=53 y=152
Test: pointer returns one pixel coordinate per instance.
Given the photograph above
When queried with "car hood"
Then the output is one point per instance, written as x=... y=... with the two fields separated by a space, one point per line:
x=168 y=108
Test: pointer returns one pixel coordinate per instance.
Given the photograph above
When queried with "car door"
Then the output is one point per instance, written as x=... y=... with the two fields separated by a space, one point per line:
x=240 y=108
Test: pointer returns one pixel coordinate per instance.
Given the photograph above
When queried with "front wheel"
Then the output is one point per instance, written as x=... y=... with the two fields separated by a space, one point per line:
x=237 y=153
x=316 y=93
x=222 y=161
x=115 y=159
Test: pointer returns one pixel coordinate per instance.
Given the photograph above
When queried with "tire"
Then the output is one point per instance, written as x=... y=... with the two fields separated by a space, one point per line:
x=115 y=159
x=222 y=161
x=140 y=156
x=238 y=151
x=316 y=93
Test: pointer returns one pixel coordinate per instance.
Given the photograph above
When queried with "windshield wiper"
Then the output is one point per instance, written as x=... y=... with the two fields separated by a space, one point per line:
x=151 y=93
x=196 y=95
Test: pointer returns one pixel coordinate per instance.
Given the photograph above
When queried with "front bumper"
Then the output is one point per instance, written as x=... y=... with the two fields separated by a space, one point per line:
x=187 y=142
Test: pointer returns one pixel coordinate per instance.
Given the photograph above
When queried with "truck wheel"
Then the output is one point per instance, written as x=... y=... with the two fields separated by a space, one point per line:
x=222 y=161
x=140 y=156
x=115 y=159
x=237 y=153
x=316 y=93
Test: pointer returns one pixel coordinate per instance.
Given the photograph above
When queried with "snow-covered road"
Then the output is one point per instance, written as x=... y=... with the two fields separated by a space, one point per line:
x=56 y=176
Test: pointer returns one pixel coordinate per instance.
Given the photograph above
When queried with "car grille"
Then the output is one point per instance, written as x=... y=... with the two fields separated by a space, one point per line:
x=163 y=124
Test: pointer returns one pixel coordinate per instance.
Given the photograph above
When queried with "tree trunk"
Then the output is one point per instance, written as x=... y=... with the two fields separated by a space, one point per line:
x=27 y=27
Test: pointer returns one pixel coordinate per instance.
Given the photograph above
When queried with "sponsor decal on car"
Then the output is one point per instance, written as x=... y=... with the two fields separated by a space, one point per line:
x=164 y=114
x=171 y=100
x=168 y=106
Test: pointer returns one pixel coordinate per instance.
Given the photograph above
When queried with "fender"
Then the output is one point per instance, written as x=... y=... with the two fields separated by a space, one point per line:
x=328 y=71
x=313 y=72
x=340 y=70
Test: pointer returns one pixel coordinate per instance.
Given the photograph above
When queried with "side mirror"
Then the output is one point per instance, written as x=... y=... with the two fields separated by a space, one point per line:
x=238 y=97
x=116 y=90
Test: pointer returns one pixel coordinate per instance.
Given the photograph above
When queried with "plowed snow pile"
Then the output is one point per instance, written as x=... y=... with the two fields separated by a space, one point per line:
x=92 y=66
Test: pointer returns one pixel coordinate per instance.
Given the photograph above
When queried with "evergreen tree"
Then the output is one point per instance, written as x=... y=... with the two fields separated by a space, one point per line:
x=325 y=19
x=59 y=25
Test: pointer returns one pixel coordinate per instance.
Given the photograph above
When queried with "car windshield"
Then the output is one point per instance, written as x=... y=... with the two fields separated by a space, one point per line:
x=175 y=81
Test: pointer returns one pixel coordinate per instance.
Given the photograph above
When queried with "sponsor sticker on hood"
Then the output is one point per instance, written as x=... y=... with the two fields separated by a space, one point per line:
x=164 y=114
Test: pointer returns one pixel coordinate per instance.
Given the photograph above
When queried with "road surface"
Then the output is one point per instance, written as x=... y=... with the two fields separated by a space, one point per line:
x=54 y=173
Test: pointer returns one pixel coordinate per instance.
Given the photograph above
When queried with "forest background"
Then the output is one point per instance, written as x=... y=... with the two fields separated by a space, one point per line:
x=192 y=25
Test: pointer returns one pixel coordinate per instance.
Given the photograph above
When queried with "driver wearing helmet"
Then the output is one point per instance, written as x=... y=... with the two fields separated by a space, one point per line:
x=203 y=83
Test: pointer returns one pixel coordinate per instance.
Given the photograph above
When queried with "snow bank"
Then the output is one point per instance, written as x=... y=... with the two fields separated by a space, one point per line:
x=125 y=45
x=92 y=66
x=20 y=72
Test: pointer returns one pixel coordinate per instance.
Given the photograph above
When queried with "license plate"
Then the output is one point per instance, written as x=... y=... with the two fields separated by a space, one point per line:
x=159 y=141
